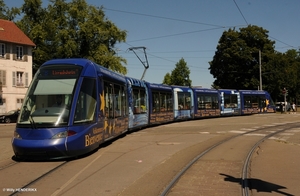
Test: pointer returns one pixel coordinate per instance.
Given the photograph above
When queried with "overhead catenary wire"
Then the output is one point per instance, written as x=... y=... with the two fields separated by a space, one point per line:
x=163 y=17
x=240 y=12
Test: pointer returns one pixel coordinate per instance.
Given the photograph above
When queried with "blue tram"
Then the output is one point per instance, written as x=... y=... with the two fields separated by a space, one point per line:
x=183 y=102
x=73 y=105
x=161 y=107
x=230 y=102
x=254 y=101
x=207 y=103
x=138 y=102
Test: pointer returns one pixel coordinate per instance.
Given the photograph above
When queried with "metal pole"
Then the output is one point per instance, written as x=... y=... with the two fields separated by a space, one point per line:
x=260 y=78
x=285 y=103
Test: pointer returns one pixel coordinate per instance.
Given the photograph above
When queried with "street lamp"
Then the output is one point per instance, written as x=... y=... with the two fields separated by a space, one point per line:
x=260 y=78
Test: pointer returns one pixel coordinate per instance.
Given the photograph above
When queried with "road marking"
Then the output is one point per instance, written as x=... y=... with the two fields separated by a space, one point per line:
x=256 y=134
x=234 y=131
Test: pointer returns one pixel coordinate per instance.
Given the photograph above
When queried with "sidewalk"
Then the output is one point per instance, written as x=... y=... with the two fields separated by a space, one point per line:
x=7 y=124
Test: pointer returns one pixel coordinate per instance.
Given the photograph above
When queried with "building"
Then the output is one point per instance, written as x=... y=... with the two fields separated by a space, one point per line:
x=15 y=65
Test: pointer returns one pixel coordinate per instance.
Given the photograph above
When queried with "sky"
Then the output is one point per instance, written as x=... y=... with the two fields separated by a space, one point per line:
x=191 y=29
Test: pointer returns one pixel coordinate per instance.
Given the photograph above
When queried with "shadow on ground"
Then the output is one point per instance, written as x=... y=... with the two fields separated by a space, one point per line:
x=258 y=185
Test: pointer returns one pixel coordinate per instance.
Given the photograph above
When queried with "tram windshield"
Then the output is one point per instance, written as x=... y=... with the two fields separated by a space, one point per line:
x=49 y=98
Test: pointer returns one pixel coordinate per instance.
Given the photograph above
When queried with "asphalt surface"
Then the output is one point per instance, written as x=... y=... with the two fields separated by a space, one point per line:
x=274 y=167
x=276 y=163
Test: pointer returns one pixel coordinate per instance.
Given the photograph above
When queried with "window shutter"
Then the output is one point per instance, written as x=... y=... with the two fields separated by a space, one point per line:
x=26 y=79
x=3 y=77
x=13 y=78
x=2 y=50
x=14 y=52
x=7 y=50
x=21 y=52
x=25 y=48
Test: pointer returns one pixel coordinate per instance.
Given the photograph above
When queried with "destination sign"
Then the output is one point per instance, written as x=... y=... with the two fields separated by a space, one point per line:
x=60 y=72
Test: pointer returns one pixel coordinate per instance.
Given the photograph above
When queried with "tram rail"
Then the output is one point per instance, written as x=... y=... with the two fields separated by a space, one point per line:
x=245 y=185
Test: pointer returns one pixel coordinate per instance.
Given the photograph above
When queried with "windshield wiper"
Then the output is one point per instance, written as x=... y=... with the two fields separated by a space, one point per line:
x=32 y=123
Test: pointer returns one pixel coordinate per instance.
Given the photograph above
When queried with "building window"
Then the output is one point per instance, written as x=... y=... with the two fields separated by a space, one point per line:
x=2 y=101
x=2 y=50
x=19 y=52
x=19 y=79
x=20 y=100
x=2 y=78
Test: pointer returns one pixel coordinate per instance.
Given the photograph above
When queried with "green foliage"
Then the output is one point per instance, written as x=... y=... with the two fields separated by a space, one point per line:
x=72 y=30
x=235 y=64
x=6 y=13
x=167 y=79
x=236 y=61
x=179 y=76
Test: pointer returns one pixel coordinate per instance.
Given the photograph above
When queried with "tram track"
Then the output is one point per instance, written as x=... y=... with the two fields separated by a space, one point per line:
x=245 y=182
x=38 y=178
x=6 y=164
x=144 y=162
x=245 y=185
x=30 y=175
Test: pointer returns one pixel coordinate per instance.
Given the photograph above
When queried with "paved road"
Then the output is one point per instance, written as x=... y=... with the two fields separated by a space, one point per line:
x=6 y=133
x=142 y=163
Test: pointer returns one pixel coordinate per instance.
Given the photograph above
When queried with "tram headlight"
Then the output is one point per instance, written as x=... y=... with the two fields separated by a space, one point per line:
x=16 y=135
x=63 y=134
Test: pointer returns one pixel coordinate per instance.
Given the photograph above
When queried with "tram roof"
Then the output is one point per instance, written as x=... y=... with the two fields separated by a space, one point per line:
x=159 y=86
x=252 y=92
x=204 y=90
x=90 y=68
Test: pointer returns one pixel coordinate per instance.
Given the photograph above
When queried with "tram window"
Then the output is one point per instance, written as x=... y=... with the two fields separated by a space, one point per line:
x=252 y=101
x=184 y=101
x=86 y=103
x=118 y=101
x=207 y=102
x=57 y=86
x=155 y=102
x=123 y=102
x=256 y=102
x=200 y=101
x=108 y=97
x=261 y=100
x=169 y=102
x=162 y=102
x=215 y=102
x=230 y=101
x=115 y=100
x=139 y=100
x=247 y=101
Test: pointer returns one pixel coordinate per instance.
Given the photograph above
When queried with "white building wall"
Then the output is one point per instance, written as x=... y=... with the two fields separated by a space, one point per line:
x=13 y=95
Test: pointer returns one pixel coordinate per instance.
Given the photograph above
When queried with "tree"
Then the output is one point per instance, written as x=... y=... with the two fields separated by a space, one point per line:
x=167 y=79
x=72 y=30
x=179 y=76
x=235 y=64
x=6 y=13
x=290 y=71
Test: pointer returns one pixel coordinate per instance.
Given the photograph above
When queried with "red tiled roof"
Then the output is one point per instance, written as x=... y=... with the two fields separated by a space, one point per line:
x=9 y=32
